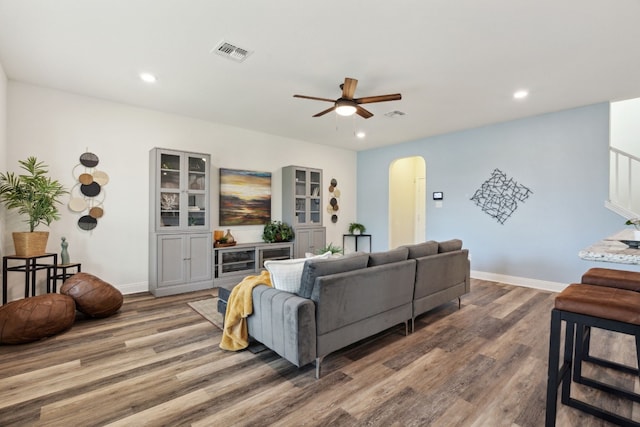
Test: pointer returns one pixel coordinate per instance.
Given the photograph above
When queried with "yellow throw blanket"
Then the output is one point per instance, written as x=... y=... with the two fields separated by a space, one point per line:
x=240 y=305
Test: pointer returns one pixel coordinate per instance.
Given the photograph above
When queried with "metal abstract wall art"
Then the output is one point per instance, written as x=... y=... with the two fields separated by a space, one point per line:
x=498 y=196
x=87 y=196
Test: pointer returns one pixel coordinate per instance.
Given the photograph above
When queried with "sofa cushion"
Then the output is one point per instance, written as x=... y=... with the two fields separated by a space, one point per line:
x=420 y=250
x=450 y=245
x=286 y=274
x=314 y=268
x=394 y=255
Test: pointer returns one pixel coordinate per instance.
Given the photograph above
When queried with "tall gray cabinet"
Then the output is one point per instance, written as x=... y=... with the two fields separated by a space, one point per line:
x=180 y=240
x=302 y=208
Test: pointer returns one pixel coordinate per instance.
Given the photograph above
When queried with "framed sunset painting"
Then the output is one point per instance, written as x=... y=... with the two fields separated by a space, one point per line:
x=245 y=197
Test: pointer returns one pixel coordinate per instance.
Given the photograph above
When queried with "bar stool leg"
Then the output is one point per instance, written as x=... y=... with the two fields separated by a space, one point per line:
x=568 y=361
x=553 y=370
x=638 y=353
x=583 y=338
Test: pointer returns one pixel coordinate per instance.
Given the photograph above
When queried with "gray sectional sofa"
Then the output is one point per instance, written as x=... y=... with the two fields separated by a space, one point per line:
x=343 y=300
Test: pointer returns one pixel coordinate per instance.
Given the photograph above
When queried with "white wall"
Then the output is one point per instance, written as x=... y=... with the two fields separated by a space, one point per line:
x=58 y=127
x=625 y=126
x=562 y=157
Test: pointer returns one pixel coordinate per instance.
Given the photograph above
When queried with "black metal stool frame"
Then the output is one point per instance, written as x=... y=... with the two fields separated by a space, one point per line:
x=562 y=375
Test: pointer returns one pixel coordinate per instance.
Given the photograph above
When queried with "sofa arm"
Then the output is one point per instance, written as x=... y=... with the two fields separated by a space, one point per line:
x=284 y=322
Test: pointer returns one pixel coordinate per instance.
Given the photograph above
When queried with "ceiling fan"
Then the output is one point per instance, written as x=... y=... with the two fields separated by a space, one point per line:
x=346 y=105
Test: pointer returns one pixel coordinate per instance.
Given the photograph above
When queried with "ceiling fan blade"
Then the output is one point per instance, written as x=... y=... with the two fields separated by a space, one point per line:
x=322 y=113
x=365 y=114
x=379 y=98
x=349 y=87
x=314 y=97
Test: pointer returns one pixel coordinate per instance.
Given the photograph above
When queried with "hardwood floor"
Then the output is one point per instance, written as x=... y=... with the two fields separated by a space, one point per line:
x=157 y=362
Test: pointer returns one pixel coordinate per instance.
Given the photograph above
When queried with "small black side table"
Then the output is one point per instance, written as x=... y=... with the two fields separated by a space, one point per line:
x=53 y=276
x=29 y=267
x=360 y=241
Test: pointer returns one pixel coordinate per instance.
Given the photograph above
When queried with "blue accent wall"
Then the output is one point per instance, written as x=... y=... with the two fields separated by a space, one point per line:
x=561 y=157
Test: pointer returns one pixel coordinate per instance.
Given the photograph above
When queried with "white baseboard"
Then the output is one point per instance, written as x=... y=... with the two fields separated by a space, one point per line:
x=133 y=288
x=519 y=281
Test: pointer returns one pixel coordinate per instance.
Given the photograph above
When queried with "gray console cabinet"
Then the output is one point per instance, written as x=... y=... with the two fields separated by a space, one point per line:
x=233 y=263
x=180 y=240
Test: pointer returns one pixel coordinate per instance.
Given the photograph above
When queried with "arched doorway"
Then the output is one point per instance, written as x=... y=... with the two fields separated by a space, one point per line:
x=407 y=201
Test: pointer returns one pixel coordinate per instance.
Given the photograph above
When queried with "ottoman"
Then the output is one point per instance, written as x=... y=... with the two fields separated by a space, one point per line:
x=93 y=296
x=34 y=318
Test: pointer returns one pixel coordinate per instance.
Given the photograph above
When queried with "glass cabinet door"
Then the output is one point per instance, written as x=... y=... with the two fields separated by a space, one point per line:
x=196 y=191
x=301 y=196
x=170 y=190
x=182 y=198
x=314 y=197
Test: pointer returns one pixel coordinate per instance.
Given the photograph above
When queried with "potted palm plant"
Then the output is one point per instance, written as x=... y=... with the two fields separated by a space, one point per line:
x=36 y=196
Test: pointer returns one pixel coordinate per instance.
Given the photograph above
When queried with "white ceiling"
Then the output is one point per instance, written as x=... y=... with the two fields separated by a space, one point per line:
x=456 y=62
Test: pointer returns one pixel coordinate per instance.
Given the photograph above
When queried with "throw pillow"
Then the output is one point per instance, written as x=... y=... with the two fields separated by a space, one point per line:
x=286 y=274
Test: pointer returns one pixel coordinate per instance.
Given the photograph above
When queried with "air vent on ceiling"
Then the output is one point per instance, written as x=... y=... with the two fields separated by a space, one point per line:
x=394 y=113
x=231 y=51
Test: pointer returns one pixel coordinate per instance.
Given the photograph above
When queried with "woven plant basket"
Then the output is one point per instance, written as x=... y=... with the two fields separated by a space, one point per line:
x=30 y=244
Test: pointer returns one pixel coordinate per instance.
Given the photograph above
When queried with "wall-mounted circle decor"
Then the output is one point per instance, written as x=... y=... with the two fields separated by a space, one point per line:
x=91 y=190
x=87 y=223
x=85 y=178
x=89 y=160
x=334 y=205
x=87 y=196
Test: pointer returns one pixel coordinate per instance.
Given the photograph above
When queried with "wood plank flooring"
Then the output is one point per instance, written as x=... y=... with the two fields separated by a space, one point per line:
x=157 y=363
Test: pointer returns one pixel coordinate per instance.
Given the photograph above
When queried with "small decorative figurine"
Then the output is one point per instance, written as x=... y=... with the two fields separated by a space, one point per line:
x=64 y=255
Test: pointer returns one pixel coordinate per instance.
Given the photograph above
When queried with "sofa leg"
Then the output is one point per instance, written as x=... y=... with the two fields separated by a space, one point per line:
x=406 y=328
x=459 y=303
x=413 y=324
x=318 y=363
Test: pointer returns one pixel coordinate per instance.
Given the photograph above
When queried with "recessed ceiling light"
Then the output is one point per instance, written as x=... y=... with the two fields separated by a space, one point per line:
x=360 y=134
x=521 y=94
x=148 y=78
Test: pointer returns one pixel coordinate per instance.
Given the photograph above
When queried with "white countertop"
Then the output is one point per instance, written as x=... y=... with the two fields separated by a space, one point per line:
x=612 y=249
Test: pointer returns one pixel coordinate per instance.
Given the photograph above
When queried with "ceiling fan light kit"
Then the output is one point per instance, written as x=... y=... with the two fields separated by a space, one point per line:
x=347 y=105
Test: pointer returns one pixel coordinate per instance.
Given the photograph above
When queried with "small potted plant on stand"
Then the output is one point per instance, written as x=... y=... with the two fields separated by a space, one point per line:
x=35 y=195
x=355 y=228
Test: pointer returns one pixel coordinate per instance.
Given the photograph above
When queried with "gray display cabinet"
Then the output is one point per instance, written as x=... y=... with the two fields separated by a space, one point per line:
x=180 y=240
x=302 y=208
